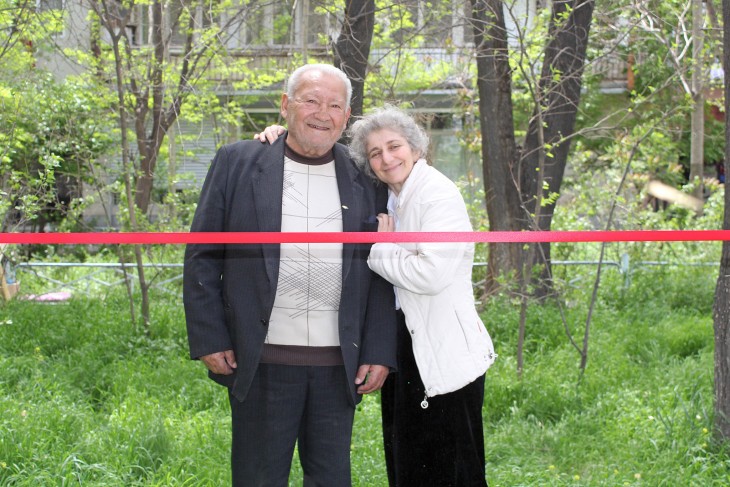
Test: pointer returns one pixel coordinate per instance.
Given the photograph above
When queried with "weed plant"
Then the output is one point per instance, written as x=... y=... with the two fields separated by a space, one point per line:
x=86 y=400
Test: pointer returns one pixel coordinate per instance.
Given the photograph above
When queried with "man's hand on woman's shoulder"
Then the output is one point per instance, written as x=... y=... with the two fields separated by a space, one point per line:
x=270 y=134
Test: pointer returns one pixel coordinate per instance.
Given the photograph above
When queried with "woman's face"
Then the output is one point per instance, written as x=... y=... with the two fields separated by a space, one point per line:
x=390 y=157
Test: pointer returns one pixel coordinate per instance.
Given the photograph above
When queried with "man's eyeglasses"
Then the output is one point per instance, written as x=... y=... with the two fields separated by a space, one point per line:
x=312 y=104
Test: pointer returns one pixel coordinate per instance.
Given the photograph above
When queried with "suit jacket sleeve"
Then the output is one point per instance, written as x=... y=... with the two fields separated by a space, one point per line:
x=380 y=332
x=203 y=268
x=379 y=340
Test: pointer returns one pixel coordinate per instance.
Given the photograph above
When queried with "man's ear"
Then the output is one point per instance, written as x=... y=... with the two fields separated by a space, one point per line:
x=284 y=107
x=347 y=117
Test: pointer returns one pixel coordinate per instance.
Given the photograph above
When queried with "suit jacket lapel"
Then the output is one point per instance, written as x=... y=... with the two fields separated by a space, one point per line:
x=351 y=198
x=268 y=184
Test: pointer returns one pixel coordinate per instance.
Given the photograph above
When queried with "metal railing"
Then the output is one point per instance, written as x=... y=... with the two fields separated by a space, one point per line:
x=91 y=279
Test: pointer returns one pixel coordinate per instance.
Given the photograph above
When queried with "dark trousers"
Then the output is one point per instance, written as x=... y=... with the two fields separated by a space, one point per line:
x=440 y=446
x=290 y=404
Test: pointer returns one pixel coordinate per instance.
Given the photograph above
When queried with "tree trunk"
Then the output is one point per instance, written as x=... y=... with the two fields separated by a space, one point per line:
x=352 y=48
x=157 y=91
x=148 y=146
x=721 y=317
x=499 y=150
x=696 y=162
x=721 y=312
x=548 y=138
x=127 y=169
x=514 y=189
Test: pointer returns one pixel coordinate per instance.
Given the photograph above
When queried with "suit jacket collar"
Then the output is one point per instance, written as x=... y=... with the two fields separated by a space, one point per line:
x=268 y=184
x=352 y=196
x=351 y=191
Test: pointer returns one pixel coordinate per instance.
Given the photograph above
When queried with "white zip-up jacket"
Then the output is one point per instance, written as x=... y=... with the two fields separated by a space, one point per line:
x=433 y=283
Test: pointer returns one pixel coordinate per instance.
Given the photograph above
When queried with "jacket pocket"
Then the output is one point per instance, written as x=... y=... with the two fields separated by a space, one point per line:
x=463 y=328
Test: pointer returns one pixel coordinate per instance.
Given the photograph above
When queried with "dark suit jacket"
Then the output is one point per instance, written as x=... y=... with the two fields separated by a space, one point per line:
x=229 y=290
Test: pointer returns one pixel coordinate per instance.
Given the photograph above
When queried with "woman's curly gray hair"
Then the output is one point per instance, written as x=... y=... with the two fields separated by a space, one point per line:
x=386 y=118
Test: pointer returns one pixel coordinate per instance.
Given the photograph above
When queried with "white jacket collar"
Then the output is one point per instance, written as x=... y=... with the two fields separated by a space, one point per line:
x=394 y=201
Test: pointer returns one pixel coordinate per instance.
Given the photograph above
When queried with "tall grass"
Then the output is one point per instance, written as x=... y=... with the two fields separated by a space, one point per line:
x=85 y=400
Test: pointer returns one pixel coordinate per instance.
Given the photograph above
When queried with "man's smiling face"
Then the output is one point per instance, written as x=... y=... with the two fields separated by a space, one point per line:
x=317 y=114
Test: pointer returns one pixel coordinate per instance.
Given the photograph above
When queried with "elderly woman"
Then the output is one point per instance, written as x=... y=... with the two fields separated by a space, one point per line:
x=432 y=406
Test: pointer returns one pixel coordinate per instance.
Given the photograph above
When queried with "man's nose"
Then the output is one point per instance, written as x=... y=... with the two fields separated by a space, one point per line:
x=322 y=109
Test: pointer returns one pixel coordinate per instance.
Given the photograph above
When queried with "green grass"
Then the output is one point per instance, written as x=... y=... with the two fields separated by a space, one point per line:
x=85 y=400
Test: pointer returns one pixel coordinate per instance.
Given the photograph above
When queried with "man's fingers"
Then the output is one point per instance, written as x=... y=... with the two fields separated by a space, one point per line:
x=361 y=375
x=269 y=134
x=376 y=375
x=218 y=362
x=273 y=132
x=230 y=358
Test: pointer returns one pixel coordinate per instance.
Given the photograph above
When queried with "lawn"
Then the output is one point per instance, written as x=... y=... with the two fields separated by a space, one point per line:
x=87 y=400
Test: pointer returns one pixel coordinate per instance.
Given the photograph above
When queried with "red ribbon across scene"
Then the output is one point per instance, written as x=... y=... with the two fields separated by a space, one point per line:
x=362 y=237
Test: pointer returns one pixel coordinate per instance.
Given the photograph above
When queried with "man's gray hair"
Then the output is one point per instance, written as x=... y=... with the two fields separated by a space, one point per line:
x=293 y=82
x=386 y=118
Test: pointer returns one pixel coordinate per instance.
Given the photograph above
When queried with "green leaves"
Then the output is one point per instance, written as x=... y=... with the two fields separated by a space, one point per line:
x=54 y=129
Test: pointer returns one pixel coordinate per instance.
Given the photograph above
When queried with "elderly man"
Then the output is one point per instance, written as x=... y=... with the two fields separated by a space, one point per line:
x=297 y=332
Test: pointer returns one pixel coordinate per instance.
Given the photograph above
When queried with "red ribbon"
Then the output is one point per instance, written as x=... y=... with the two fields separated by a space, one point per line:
x=362 y=237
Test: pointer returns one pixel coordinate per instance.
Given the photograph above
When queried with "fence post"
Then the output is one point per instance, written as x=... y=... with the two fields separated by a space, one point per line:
x=626 y=269
x=8 y=284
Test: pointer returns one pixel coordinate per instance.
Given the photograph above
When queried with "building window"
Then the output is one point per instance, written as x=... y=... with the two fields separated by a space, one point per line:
x=176 y=20
x=181 y=15
x=248 y=25
x=46 y=5
x=429 y=23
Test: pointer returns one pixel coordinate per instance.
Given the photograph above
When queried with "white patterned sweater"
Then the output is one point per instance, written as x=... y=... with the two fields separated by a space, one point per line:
x=310 y=274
